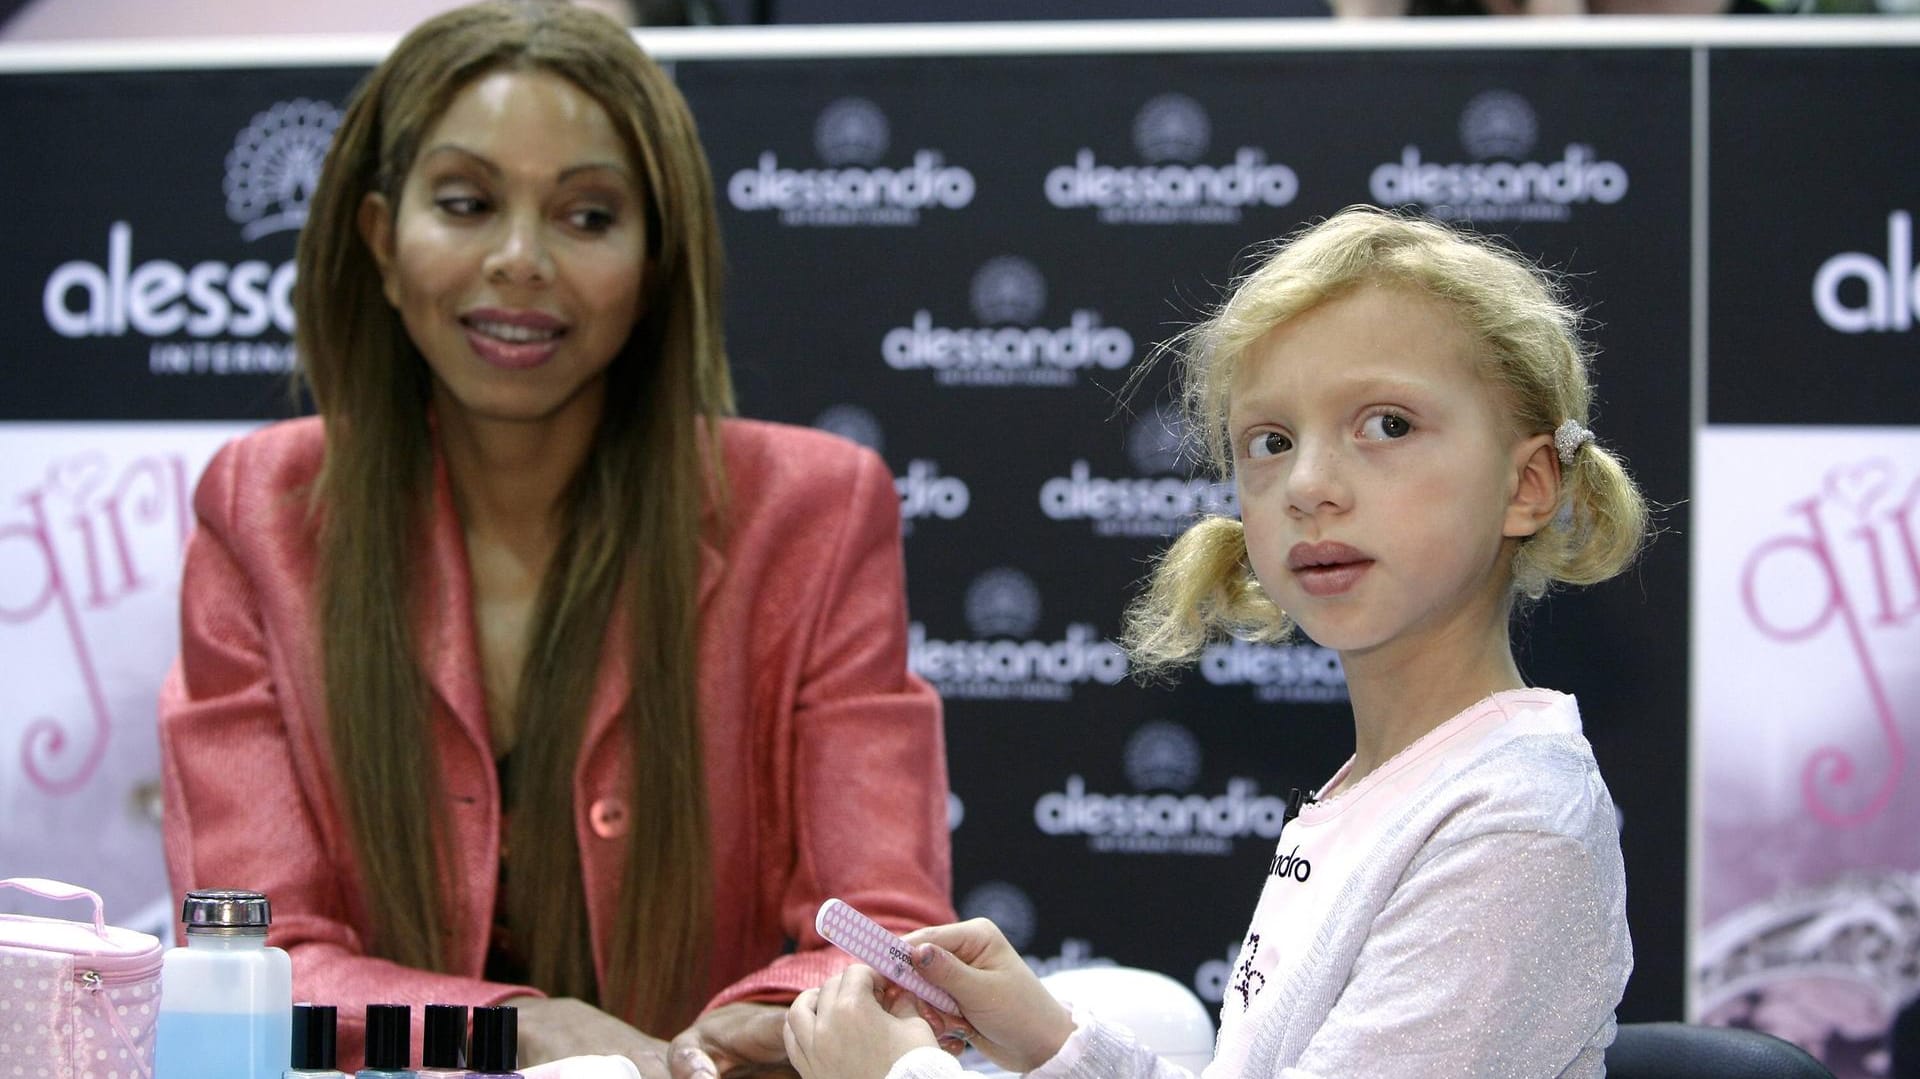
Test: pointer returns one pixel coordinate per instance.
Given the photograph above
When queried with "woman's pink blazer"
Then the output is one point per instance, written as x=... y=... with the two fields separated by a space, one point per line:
x=825 y=761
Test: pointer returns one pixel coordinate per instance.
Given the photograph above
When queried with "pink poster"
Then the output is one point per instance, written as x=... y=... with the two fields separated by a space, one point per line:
x=1806 y=717
x=93 y=521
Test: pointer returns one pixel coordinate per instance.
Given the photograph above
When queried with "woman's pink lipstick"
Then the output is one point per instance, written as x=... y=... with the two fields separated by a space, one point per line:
x=515 y=340
x=1327 y=569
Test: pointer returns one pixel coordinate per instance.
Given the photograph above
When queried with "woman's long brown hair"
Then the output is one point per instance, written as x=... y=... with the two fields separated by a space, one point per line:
x=630 y=543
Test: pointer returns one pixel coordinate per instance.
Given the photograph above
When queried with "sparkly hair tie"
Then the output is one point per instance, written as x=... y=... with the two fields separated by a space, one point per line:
x=1568 y=438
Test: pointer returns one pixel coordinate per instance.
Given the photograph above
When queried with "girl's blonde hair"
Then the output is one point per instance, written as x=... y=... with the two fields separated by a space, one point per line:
x=1529 y=350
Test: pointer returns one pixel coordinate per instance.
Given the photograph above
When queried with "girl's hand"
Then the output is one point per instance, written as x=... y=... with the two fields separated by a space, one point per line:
x=1005 y=1011
x=732 y=1038
x=554 y=1029
x=842 y=1031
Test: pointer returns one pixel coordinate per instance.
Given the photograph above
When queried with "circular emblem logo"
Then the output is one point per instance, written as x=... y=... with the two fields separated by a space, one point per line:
x=1006 y=906
x=1157 y=442
x=1498 y=123
x=1003 y=603
x=1162 y=756
x=851 y=131
x=1008 y=289
x=1172 y=127
x=853 y=423
x=275 y=165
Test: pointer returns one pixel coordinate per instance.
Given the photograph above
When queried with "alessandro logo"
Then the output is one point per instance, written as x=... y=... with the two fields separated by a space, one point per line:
x=1163 y=757
x=1855 y=292
x=1172 y=132
x=851 y=137
x=1010 y=908
x=1499 y=129
x=1004 y=660
x=924 y=491
x=1007 y=348
x=1295 y=673
x=220 y=308
x=161 y=298
x=1149 y=503
x=274 y=166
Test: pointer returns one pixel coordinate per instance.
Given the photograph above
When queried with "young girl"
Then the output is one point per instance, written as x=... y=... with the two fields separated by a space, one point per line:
x=1403 y=408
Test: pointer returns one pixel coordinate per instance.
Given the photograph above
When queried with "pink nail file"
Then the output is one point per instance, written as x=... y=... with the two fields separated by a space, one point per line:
x=866 y=940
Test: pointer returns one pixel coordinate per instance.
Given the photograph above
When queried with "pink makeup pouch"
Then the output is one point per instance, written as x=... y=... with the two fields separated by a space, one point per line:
x=77 y=1000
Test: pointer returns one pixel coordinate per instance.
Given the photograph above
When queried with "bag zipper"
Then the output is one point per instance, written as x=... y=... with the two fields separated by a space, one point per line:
x=92 y=981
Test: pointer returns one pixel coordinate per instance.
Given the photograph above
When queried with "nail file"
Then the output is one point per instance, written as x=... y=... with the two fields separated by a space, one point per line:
x=868 y=941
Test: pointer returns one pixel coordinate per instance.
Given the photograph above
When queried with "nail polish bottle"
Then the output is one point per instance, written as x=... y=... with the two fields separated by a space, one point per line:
x=444 y=1050
x=313 y=1034
x=495 y=1051
x=389 y=1042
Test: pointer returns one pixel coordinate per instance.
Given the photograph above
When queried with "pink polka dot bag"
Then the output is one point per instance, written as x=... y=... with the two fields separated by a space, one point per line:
x=77 y=1001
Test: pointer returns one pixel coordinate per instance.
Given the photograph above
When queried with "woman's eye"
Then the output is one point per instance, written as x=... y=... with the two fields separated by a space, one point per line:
x=1268 y=444
x=591 y=220
x=460 y=205
x=1386 y=425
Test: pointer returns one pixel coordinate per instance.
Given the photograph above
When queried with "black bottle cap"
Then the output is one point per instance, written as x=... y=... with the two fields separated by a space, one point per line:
x=313 y=1027
x=445 y=1043
x=496 y=1040
x=389 y=1037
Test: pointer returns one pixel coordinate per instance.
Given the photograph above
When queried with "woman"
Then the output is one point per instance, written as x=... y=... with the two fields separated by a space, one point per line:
x=521 y=674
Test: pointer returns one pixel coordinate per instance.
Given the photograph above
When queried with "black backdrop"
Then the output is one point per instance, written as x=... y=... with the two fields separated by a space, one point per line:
x=960 y=260
x=819 y=291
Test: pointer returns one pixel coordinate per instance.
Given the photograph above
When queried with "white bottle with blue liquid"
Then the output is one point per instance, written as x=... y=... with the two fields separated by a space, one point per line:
x=226 y=998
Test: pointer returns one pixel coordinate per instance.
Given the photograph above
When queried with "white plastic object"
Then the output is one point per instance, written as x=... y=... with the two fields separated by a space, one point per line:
x=226 y=1004
x=1165 y=1015
x=1162 y=1013
x=614 y=1067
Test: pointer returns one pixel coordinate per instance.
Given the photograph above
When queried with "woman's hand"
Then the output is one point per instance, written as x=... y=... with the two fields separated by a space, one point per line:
x=729 y=1039
x=1013 y=1020
x=842 y=1030
x=552 y=1029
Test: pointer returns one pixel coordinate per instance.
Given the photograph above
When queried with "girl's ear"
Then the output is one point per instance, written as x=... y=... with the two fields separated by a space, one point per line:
x=1535 y=497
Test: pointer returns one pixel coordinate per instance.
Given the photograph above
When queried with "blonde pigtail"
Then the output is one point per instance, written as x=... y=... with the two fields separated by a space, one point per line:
x=1201 y=588
x=1609 y=516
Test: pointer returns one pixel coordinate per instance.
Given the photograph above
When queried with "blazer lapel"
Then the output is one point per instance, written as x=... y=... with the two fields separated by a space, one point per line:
x=445 y=625
x=615 y=685
x=451 y=653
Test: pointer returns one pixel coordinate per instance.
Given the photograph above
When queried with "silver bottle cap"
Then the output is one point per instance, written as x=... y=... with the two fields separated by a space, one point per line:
x=226 y=910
